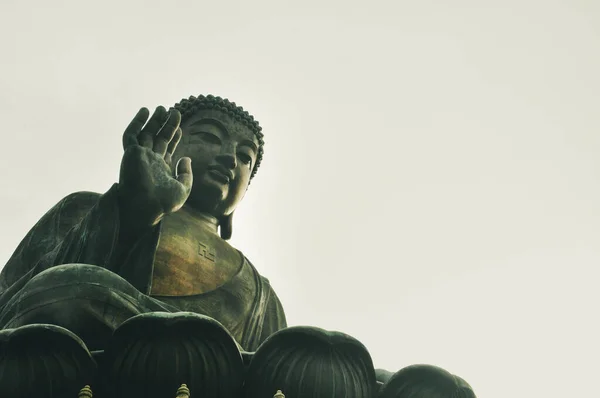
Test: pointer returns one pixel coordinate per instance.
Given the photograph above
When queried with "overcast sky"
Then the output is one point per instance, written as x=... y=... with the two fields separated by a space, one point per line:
x=431 y=181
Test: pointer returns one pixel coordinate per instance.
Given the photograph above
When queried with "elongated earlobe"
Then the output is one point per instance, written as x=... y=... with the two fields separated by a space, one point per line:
x=226 y=226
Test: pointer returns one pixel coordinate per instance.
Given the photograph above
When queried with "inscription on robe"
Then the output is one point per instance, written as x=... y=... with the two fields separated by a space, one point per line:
x=206 y=252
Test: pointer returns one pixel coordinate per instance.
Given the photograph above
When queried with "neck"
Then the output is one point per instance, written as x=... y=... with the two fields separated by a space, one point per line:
x=210 y=222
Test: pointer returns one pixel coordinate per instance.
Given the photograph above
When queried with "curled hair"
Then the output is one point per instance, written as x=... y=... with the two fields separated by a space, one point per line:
x=188 y=107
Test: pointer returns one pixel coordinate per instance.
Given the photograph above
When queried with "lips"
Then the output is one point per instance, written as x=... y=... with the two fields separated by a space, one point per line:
x=221 y=173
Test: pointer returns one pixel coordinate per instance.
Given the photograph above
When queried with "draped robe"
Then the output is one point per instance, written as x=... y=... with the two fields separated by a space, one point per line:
x=67 y=271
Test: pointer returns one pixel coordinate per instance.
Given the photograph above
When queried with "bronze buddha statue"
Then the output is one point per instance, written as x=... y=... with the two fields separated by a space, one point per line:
x=157 y=240
x=137 y=293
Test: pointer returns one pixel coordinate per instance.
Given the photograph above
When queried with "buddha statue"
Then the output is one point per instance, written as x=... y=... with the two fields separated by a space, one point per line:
x=137 y=293
x=156 y=241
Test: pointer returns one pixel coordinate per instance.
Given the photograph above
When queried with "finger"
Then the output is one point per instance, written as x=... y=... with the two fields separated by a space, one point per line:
x=134 y=128
x=172 y=146
x=184 y=173
x=146 y=137
x=166 y=133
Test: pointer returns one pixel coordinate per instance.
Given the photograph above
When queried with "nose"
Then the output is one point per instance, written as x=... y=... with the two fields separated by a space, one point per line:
x=227 y=157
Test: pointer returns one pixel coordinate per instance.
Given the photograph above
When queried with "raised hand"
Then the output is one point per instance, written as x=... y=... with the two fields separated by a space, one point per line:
x=148 y=187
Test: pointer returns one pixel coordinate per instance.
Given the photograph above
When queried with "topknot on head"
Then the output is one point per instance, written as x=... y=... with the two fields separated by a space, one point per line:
x=188 y=107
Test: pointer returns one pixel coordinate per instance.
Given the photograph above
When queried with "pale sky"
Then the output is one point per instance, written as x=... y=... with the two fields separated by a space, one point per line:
x=431 y=180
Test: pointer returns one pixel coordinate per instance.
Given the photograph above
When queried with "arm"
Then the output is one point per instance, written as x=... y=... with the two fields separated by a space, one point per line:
x=105 y=230
x=274 y=317
x=46 y=235
x=82 y=228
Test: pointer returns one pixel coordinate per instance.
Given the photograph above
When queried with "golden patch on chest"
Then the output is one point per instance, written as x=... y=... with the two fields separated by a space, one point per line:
x=191 y=261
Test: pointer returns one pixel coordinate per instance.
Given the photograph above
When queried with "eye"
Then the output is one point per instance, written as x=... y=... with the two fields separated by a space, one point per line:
x=210 y=138
x=245 y=158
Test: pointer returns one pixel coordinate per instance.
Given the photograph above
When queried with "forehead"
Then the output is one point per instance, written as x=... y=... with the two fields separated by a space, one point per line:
x=219 y=120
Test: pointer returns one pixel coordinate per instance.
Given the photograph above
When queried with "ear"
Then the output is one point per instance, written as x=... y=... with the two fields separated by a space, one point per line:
x=226 y=226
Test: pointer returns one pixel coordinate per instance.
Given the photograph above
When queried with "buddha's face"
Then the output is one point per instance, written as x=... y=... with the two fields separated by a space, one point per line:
x=223 y=153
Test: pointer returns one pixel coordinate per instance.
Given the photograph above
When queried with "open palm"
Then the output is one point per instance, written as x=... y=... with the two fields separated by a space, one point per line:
x=147 y=183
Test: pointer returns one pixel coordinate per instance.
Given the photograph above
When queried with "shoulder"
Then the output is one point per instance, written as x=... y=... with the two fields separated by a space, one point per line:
x=263 y=283
x=81 y=199
x=248 y=264
x=73 y=207
x=266 y=286
x=47 y=232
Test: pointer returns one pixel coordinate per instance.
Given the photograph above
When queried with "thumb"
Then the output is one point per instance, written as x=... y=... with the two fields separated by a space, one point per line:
x=184 y=172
